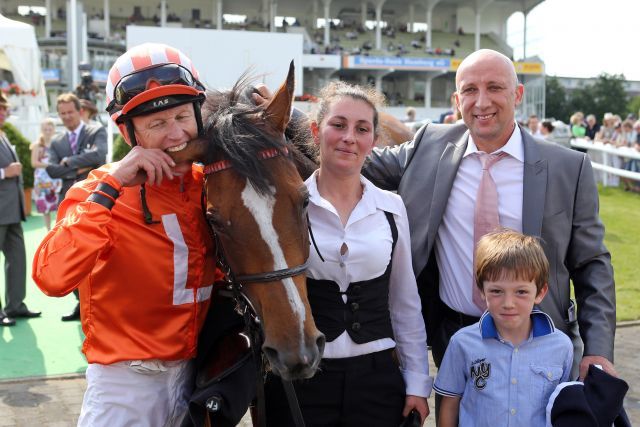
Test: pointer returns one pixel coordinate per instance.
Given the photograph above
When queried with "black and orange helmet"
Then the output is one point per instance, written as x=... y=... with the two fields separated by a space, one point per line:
x=148 y=78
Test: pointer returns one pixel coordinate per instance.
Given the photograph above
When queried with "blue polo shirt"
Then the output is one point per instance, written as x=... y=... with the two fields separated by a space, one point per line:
x=501 y=384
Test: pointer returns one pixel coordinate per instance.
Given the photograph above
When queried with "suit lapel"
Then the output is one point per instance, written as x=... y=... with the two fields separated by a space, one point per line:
x=534 y=187
x=445 y=175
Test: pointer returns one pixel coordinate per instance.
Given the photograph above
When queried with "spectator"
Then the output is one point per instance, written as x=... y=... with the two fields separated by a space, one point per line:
x=88 y=111
x=87 y=89
x=81 y=148
x=633 y=165
x=592 y=128
x=74 y=153
x=451 y=111
x=11 y=235
x=46 y=190
x=410 y=115
x=577 y=127
x=607 y=129
x=533 y=125
x=546 y=129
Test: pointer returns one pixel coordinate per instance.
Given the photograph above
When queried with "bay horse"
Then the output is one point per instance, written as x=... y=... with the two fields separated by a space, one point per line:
x=255 y=203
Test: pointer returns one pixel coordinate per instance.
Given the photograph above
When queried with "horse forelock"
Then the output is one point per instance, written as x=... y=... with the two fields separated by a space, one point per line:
x=235 y=130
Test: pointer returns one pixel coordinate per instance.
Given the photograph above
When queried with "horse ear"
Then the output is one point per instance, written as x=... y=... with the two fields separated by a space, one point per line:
x=278 y=110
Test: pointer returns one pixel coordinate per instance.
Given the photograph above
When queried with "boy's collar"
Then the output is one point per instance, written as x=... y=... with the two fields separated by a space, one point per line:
x=541 y=324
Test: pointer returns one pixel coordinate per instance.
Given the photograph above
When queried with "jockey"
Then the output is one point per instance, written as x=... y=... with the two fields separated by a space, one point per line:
x=139 y=254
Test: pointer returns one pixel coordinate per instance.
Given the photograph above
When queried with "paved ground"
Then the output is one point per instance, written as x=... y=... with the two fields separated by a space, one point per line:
x=56 y=402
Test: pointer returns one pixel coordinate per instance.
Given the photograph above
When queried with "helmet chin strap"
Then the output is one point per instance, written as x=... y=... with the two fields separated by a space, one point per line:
x=131 y=131
x=198 y=113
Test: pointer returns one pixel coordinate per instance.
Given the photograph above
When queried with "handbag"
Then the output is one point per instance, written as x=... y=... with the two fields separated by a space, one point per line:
x=412 y=420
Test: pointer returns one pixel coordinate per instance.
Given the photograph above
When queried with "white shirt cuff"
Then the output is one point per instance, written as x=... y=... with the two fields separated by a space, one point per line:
x=417 y=383
x=1 y=173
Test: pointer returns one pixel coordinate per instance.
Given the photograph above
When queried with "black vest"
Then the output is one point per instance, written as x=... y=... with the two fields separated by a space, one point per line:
x=365 y=315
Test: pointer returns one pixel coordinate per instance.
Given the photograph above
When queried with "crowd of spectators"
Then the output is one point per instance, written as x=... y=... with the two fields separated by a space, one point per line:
x=357 y=31
x=614 y=131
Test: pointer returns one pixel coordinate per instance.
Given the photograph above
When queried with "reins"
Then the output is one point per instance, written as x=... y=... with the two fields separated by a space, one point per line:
x=244 y=307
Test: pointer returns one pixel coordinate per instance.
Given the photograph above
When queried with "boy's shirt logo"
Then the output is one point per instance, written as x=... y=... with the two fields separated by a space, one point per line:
x=480 y=372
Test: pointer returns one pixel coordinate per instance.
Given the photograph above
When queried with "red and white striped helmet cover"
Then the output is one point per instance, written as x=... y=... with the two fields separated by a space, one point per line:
x=140 y=57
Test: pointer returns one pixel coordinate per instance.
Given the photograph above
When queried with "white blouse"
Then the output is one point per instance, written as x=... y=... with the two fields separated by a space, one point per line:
x=368 y=239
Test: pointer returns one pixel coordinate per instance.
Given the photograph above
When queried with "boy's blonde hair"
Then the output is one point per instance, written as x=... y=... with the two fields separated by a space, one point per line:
x=507 y=254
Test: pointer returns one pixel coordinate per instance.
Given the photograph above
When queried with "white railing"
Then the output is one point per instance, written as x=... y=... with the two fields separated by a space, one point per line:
x=606 y=151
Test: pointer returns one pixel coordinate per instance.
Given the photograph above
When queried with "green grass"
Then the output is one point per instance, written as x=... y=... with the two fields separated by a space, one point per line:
x=620 y=213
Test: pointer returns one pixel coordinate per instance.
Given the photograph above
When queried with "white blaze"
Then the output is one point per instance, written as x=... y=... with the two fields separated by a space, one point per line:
x=261 y=207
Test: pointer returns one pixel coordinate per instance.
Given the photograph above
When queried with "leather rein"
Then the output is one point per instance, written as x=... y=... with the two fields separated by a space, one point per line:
x=244 y=307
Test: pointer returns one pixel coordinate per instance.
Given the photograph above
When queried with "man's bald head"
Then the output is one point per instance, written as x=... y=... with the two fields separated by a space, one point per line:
x=487 y=95
x=487 y=56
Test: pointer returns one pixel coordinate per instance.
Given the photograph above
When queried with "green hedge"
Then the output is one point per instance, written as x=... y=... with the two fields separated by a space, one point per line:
x=120 y=148
x=24 y=153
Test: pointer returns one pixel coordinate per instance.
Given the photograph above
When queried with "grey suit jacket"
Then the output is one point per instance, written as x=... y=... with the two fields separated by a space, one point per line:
x=11 y=193
x=560 y=205
x=91 y=152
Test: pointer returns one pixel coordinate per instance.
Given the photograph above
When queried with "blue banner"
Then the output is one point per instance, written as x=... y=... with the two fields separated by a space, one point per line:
x=374 y=62
x=100 y=76
x=51 y=74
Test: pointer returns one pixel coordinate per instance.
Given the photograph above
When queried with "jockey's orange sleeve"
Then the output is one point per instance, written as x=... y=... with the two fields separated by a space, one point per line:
x=144 y=288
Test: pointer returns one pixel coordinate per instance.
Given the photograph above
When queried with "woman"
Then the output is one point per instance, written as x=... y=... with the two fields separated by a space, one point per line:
x=546 y=129
x=361 y=285
x=45 y=188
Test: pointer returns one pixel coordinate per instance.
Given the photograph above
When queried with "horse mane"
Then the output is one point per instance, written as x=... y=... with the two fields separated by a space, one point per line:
x=233 y=127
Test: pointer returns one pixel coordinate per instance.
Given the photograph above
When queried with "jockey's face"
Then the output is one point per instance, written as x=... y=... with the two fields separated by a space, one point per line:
x=167 y=130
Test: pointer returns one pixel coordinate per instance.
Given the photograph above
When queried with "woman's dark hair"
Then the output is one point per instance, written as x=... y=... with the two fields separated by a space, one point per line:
x=548 y=126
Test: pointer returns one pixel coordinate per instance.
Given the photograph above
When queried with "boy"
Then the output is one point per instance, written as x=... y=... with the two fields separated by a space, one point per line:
x=502 y=370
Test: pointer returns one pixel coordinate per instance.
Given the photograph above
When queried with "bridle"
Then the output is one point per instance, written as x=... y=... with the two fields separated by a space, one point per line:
x=234 y=289
x=231 y=277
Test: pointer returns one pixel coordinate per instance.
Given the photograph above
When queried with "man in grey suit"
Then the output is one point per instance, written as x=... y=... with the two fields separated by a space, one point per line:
x=543 y=190
x=78 y=150
x=11 y=237
x=74 y=153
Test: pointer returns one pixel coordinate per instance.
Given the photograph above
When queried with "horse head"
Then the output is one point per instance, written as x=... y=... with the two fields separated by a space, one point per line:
x=256 y=205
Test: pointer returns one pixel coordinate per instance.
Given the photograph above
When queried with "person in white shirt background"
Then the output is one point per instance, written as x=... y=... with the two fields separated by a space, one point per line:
x=361 y=286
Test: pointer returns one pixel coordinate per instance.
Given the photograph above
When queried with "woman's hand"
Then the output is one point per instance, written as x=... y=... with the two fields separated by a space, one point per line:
x=419 y=404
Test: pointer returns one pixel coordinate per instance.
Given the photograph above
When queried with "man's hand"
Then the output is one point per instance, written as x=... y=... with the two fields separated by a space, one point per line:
x=143 y=165
x=596 y=360
x=14 y=169
x=418 y=403
x=261 y=94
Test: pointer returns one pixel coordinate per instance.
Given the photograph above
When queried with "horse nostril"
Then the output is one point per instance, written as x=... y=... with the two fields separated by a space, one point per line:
x=320 y=341
x=271 y=353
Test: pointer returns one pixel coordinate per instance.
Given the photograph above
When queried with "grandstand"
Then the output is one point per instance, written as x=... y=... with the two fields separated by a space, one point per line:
x=407 y=49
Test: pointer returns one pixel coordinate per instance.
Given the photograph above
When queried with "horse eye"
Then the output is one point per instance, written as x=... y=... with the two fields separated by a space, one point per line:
x=305 y=201
x=213 y=218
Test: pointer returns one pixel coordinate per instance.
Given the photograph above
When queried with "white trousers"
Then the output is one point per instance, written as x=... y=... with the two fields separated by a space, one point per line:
x=136 y=393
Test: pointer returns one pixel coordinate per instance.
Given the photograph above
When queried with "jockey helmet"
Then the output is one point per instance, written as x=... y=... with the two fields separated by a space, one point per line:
x=148 y=78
